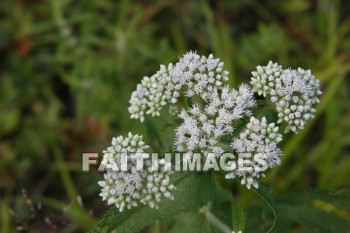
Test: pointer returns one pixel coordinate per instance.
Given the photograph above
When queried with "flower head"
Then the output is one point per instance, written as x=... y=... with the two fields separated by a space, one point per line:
x=294 y=93
x=264 y=77
x=203 y=127
x=158 y=184
x=258 y=140
x=192 y=75
x=128 y=188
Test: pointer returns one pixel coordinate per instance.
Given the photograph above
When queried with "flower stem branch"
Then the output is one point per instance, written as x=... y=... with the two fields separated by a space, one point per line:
x=213 y=219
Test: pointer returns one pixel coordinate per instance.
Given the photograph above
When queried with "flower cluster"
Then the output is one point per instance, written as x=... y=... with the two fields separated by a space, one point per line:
x=294 y=93
x=261 y=130
x=128 y=187
x=158 y=184
x=121 y=188
x=258 y=139
x=202 y=128
x=149 y=98
x=211 y=112
x=192 y=75
x=129 y=147
x=197 y=74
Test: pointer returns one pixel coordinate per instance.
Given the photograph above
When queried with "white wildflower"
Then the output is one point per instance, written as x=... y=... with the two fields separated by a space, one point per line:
x=202 y=127
x=130 y=187
x=209 y=122
x=149 y=97
x=158 y=184
x=198 y=74
x=263 y=80
x=192 y=75
x=121 y=189
x=294 y=93
x=124 y=146
x=258 y=139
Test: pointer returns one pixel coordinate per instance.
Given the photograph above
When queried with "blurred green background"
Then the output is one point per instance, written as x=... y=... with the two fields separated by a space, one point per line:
x=68 y=69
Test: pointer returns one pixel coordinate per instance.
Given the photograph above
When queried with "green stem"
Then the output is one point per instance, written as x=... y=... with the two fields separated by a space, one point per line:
x=156 y=227
x=266 y=196
x=213 y=219
x=65 y=176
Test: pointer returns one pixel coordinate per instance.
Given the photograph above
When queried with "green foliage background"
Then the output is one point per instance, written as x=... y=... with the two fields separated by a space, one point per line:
x=68 y=68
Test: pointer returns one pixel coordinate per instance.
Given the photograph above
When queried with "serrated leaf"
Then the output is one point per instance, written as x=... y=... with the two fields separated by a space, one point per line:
x=193 y=191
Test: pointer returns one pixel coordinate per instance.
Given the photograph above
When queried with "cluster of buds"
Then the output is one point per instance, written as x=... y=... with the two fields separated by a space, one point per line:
x=193 y=75
x=128 y=187
x=293 y=92
x=259 y=139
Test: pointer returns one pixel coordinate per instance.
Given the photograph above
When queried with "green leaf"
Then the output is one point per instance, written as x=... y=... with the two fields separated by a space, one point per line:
x=190 y=222
x=160 y=133
x=153 y=133
x=193 y=191
x=238 y=217
x=340 y=198
x=197 y=221
x=188 y=102
x=313 y=210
